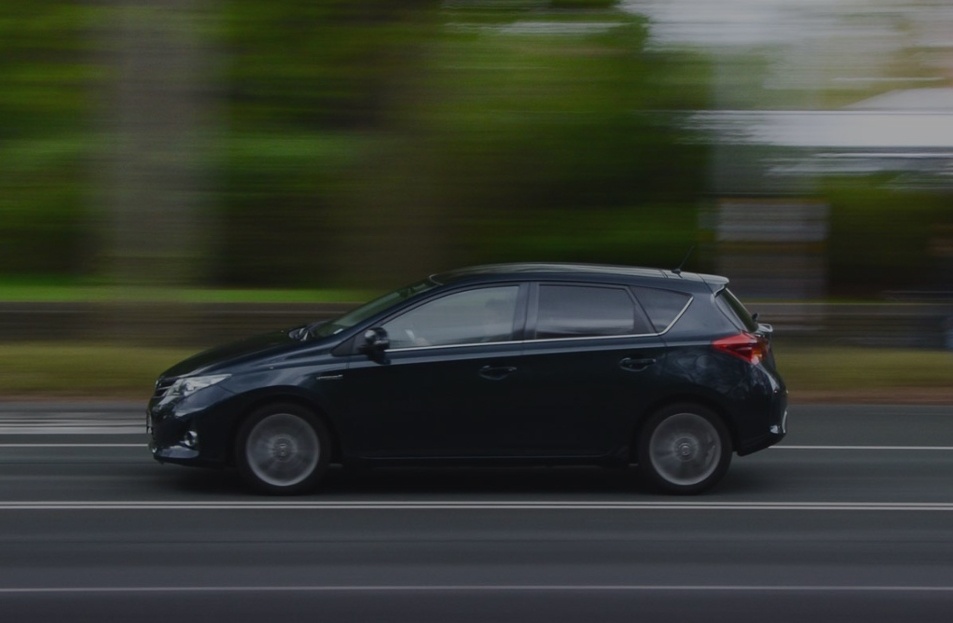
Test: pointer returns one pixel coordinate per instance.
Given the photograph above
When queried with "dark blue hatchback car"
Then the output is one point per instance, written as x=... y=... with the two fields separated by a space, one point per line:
x=502 y=364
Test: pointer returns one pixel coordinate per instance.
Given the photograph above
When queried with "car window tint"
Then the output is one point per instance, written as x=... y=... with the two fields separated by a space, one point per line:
x=473 y=316
x=578 y=311
x=662 y=306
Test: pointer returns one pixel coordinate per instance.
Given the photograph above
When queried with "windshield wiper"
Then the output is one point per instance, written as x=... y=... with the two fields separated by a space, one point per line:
x=309 y=329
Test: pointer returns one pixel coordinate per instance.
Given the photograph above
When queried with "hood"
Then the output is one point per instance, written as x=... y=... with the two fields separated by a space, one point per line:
x=216 y=359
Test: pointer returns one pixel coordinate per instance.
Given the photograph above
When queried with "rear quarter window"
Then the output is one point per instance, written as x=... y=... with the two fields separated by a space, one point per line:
x=735 y=310
x=663 y=307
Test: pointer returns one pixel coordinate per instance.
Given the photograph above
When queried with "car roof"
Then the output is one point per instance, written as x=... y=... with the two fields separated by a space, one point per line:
x=556 y=270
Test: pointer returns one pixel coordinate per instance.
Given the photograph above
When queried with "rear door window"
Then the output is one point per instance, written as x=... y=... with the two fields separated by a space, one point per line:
x=583 y=311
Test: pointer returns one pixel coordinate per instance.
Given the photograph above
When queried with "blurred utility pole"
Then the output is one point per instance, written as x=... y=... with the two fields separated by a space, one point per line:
x=155 y=169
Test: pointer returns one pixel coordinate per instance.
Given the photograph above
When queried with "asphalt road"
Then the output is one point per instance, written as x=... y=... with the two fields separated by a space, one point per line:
x=850 y=519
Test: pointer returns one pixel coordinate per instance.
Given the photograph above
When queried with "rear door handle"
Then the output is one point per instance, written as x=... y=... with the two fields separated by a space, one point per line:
x=636 y=364
x=496 y=373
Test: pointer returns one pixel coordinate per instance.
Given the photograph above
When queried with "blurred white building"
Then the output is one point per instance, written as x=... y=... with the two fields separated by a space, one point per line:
x=776 y=62
x=802 y=90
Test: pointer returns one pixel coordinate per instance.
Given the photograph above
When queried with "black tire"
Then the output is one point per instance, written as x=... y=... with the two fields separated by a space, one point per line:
x=282 y=449
x=684 y=449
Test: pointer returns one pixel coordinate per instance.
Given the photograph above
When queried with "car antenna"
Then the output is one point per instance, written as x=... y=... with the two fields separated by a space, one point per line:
x=678 y=271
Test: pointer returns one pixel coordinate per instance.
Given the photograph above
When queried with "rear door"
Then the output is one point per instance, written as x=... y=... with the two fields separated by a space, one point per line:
x=591 y=361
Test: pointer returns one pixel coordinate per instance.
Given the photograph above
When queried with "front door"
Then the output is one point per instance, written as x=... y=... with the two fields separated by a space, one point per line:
x=446 y=388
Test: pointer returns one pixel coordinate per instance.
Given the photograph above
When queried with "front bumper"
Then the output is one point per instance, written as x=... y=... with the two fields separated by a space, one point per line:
x=175 y=454
x=192 y=430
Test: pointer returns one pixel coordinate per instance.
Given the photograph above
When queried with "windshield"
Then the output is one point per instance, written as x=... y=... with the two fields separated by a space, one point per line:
x=367 y=310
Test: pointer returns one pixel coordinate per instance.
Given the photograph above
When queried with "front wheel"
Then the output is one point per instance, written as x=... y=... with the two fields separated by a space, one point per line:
x=684 y=449
x=282 y=450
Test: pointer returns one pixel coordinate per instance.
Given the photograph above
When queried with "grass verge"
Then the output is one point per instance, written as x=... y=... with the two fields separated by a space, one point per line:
x=869 y=375
x=82 y=371
x=41 y=293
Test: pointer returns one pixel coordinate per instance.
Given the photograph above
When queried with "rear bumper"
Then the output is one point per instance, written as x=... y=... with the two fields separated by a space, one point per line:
x=775 y=427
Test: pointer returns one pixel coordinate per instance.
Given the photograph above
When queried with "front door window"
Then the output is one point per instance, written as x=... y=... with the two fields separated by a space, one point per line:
x=470 y=317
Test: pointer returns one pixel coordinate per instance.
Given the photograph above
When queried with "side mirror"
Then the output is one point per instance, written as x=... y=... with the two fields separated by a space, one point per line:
x=375 y=344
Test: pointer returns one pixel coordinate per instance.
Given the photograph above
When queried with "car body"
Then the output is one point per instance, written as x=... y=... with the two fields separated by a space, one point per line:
x=501 y=364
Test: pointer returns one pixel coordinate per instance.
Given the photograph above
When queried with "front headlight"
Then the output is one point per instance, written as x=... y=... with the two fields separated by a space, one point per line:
x=188 y=385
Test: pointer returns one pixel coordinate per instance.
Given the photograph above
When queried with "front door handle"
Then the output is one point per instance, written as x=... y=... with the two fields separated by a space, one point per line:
x=636 y=364
x=496 y=373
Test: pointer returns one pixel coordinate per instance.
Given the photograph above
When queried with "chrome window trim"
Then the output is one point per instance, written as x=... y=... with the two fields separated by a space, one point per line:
x=444 y=346
x=679 y=316
x=618 y=336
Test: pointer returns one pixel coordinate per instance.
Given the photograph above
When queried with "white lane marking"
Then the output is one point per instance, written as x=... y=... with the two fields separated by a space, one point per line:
x=71 y=430
x=783 y=447
x=71 y=426
x=479 y=588
x=74 y=445
x=903 y=448
x=488 y=505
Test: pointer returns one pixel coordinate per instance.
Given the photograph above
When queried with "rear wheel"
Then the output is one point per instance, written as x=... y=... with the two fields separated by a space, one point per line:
x=684 y=449
x=282 y=449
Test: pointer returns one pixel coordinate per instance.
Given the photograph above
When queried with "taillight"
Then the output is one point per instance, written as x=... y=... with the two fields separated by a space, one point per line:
x=745 y=346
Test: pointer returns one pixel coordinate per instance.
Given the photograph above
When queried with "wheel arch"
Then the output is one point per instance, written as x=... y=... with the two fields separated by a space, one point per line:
x=668 y=401
x=287 y=396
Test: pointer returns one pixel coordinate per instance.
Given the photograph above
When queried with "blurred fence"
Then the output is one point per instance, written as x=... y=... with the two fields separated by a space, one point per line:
x=164 y=324
x=888 y=324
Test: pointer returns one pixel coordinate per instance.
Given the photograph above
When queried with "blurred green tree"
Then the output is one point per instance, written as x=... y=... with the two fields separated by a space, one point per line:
x=338 y=142
x=45 y=70
x=556 y=135
x=308 y=85
x=386 y=140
